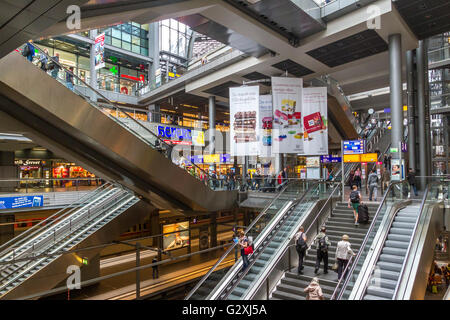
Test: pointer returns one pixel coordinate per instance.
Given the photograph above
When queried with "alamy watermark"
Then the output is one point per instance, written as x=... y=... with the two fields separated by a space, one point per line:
x=73 y=21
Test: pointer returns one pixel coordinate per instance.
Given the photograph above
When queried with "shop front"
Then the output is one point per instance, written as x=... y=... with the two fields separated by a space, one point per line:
x=61 y=170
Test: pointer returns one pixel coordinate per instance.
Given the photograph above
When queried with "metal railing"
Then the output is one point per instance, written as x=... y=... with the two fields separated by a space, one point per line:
x=234 y=245
x=49 y=183
x=339 y=292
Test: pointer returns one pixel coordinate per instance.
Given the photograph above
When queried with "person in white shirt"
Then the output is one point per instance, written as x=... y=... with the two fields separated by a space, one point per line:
x=343 y=254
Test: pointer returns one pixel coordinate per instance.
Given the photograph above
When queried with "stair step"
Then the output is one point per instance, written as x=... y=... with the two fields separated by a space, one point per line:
x=391 y=258
x=384 y=265
x=380 y=292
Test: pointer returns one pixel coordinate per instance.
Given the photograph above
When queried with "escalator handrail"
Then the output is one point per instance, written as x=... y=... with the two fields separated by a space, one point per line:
x=366 y=238
x=114 y=104
x=244 y=273
x=72 y=206
x=311 y=224
x=235 y=244
x=416 y=225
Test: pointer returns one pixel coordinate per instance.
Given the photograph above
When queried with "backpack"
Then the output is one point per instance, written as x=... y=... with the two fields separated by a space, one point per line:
x=323 y=246
x=301 y=244
x=26 y=51
x=354 y=196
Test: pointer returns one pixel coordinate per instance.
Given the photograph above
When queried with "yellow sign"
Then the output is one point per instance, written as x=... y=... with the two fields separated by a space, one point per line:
x=352 y=158
x=369 y=157
x=211 y=158
x=405 y=108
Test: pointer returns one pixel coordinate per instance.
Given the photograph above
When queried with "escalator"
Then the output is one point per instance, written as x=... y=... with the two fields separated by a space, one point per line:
x=397 y=254
x=271 y=232
x=111 y=147
x=37 y=259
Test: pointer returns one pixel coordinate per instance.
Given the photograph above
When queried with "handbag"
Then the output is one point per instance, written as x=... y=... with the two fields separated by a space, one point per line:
x=248 y=250
x=334 y=267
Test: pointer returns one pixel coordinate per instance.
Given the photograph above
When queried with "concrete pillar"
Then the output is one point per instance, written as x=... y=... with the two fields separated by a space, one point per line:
x=421 y=111
x=411 y=108
x=212 y=126
x=395 y=79
x=213 y=229
x=244 y=171
x=8 y=170
x=427 y=109
x=153 y=51
x=155 y=229
x=93 y=72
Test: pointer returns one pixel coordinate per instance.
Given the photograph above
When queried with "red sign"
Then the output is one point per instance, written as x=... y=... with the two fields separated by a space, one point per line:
x=141 y=77
x=184 y=143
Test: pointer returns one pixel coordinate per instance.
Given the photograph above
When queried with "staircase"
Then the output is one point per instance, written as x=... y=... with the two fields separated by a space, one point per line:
x=209 y=285
x=387 y=270
x=341 y=222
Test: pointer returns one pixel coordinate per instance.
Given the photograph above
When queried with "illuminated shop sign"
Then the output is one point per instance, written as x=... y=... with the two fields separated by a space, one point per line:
x=211 y=158
x=175 y=135
x=141 y=77
x=29 y=162
x=329 y=159
x=354 y=147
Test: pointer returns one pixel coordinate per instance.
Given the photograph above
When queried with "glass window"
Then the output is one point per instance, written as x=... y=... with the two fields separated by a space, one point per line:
x=144 y=43
x=116 y=33
x=145 y=27
x=136 y=24
x=144 y=51
x=136 y=32
x=126 y=27
x=116 y=42
x=126 y=37
x=165 y=22
x=173 y=41
x=107 y=40
x=182 y=45
x=144 y=34
x=126 y=45
x=164 y=38
x=136 y=49
x=136 y=40
x=174 y=24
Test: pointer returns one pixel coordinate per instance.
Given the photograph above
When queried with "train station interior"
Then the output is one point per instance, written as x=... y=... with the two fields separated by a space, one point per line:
x=225 y=150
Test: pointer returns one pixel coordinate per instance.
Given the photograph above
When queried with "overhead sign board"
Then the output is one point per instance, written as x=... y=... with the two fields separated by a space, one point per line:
x=352 y=158
x=369 y=157
x=21 y=202
x=354 y=147
x=329 y=159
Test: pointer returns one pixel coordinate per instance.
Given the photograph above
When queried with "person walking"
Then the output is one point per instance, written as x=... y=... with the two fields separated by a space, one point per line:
x=243 y=243
x=354 y=201
x=69 y=79
x=313 y=290
x=343 y=254
x=155 y=269
x=412 y=181
x=350 y=178
x=43 y=59
x=357 y=178
x=385 y=179
x=284 y=175
x=55 y=67
x=300 y=246
x=29 y=50
x=372 y=182
x=322 y=250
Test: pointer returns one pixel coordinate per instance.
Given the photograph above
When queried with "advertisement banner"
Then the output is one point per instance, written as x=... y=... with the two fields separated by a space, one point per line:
x=265 y=125
x=244 y=109
x=21 y=202
x=287 y=134
x=315 y=122
x=396 y=174
x=176 y=235
x=100 y=51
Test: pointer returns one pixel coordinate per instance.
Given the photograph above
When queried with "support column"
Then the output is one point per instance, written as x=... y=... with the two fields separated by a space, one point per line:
x=411 y=108
x=155 y=229
x=421 y=112
x=213 y=232
x=8 y=170
x=153 y=52
x=427 y=109
x=212 y=125
x=92 y=71
x=395 y=79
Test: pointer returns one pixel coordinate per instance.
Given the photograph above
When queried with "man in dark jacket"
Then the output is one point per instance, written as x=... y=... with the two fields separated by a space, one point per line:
x=412 y=181
x=322 y=250
x=155 y=269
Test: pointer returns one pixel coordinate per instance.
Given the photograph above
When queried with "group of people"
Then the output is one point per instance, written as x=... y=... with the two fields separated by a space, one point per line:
x=47 y=64
x=436 y=277
x=266 y=183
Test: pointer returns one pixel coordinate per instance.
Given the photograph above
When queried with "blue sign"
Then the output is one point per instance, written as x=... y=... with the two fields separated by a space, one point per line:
x=21 y=202
x=328 y=159
x=178 y=134
x=224 y=158
x=354 y=147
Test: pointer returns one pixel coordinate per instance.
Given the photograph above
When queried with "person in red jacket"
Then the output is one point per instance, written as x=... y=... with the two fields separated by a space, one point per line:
x=280 y=178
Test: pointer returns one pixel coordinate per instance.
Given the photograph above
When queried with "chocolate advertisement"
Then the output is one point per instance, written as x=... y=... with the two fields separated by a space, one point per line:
x=315 y=121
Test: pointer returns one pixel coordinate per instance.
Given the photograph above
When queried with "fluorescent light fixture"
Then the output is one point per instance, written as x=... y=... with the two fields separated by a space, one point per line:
x=253 y=1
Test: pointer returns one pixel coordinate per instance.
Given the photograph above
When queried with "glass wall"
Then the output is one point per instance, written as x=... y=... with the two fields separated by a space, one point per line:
x=174 y=37
x=130 y=36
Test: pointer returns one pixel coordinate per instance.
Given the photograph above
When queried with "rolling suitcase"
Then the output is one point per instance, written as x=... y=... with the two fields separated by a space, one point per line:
x=363 y=214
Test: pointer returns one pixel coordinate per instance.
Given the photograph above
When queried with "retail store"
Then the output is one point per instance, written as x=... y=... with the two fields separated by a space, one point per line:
x=62 y=170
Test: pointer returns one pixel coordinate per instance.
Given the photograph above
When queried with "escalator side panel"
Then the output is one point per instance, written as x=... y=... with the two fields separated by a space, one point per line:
x=56 y=271
x=40 y=95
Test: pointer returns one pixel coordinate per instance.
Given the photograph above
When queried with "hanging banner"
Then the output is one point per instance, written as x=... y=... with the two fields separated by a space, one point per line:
x=100 y=51
x=314 y=107
x=265 y=125
x=287 y=134
x=244 y=109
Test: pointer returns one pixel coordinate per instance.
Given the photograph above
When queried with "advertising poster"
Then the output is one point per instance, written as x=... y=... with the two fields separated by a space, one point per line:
x=265 y=125
x=100 y=51
x=396 y=174
x=244 y=109
x=198 y=138
x=21 y=202
x=176 y=235
x=287 y=134
x=203 y=238
x=315 y=122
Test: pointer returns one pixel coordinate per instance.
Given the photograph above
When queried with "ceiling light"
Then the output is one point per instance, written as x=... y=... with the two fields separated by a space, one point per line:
x=253 y=1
